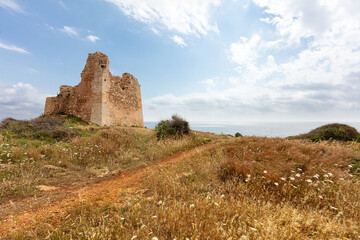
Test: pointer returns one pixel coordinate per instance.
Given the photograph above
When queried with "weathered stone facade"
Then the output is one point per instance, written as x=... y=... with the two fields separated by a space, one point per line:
x=100 y=98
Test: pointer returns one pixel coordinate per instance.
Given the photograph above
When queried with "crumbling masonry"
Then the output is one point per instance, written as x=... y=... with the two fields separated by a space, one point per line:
x=100 y=98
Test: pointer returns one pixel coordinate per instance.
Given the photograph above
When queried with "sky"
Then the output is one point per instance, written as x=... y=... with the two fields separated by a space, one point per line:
x=205 y=60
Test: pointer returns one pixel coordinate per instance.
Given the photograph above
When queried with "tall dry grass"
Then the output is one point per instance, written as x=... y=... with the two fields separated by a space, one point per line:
x=248 y=188
x=114 y=148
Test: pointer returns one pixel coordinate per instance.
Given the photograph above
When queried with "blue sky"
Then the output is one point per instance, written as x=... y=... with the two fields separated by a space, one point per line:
x=206 y=60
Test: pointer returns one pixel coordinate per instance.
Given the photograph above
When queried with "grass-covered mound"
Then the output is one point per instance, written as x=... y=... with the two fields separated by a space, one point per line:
x=38 y=128
x=335 y=131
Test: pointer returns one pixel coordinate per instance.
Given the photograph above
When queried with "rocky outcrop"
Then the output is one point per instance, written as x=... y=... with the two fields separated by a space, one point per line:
x=100 y=98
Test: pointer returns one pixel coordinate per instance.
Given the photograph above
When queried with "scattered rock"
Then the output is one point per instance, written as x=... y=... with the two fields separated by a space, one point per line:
x=115 y=172
x=52 y=167
x=46 y=188
x=5 y=166
x=100 y=172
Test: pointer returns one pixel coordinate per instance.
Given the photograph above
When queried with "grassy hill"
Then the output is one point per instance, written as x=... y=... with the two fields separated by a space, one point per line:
x=66 y=152
x=236 y=188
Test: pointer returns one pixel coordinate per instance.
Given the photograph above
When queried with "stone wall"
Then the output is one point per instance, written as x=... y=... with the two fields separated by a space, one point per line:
x=100 y=98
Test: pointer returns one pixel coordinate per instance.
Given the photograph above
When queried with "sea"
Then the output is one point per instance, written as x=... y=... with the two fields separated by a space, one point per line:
x=263 y=129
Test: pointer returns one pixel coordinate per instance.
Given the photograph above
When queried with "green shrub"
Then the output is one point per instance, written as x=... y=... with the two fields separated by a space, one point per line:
x=176 y=126
x=335 y=131
x=238 y=134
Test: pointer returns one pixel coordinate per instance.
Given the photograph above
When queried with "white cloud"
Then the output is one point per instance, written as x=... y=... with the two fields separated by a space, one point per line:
x=209 y=84
x=32 y=70
x=62 y=4
x=11 y=5
x=13 y=48
x=49 y=27
x=182 y=16
x=77 y=33
x=317 y=18
x=92 y=38
x=179 y=41
x=245 y=52
x=20 y=101
x=311 y=78
x=154 y=30
x=247 y=102
x=71 y=31
x=309 y=70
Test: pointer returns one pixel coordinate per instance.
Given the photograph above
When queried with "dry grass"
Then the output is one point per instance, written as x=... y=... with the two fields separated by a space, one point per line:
x=114 y=148
x=248 y=188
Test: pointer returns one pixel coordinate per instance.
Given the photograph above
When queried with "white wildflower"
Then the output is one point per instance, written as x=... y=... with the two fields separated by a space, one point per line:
x=122 y=219
x=294 y=186
x=330 y=174
x=133 y=237
x=276 y=184
x=316 y=176
x=321 y=197
x=248 y=175
x=265 y=171
x=333 y=208
x=282 y=179
x=292 y=178
x=222 y=196
x=154 y=216
x=253 y=229
x=308 y=180
x=325 y=176
x=216 y=204
x=154 y=238
x=350 y=166
x=192 y=205
x=341 y=179
x=298 y=175
x=299 y=169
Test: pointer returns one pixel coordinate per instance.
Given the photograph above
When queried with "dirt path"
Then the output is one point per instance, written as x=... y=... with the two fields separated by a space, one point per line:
x=105 y=191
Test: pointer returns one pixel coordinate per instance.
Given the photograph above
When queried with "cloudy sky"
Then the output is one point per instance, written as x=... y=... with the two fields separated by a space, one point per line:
x=207 y=60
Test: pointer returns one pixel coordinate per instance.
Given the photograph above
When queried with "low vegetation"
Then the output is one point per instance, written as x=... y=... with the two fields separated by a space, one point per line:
x=174 y=127
x=238 y=134
x=242 y=188
x=50 y=129
x=65 y=152
x=335 y=131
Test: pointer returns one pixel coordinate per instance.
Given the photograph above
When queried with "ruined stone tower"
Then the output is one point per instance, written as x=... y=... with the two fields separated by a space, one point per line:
x=100 y=98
